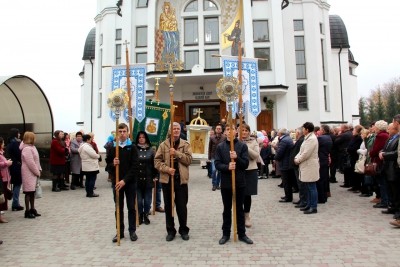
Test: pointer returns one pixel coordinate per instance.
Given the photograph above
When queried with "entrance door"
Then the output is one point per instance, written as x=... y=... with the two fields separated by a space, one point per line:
x=264 y=120
x=179 y=114
x=211 y=113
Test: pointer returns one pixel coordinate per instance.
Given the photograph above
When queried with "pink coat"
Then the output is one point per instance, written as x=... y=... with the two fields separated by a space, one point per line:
x=5 y=173
x=30 y=169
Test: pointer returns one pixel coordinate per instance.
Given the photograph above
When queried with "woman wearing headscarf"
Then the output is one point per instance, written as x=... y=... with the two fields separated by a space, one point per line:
x=146 y=176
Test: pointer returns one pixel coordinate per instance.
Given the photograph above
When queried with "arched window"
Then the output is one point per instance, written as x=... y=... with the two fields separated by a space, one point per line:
x=201 y=33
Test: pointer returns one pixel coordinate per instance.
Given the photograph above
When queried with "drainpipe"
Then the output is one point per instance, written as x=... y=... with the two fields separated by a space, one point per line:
x=341 y=85
x=91 y=97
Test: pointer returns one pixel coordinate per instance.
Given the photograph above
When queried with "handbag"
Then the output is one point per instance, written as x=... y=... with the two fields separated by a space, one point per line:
x=372 y=169
x=360 y=164
x=8 y=193
x=38 y=191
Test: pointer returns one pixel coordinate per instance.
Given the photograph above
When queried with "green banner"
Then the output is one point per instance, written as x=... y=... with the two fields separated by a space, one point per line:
x=155 y=124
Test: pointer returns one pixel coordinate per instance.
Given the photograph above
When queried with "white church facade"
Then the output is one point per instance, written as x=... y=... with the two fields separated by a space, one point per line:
x=308 y=74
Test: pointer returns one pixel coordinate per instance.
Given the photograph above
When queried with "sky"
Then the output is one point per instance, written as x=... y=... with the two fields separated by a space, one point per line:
x=44 y=40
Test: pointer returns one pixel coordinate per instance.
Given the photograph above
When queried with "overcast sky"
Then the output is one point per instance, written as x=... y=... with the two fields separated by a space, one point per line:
x=44 y=40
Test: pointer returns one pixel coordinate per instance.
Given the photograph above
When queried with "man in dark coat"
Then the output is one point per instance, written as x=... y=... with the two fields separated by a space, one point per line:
x=128 y=169
x=282 y=156
x=324 y=148
x=341 y=143
x=239 y=164
x=14 y=153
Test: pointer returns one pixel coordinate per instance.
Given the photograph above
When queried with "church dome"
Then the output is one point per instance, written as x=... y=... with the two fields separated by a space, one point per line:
x=90 y=45
x=339 y=36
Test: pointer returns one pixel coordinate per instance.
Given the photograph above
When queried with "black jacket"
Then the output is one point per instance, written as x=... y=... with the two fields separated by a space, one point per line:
x=222 y=160
x=295 y=150
x=146 y=170
x=282 y=154
x=324 y=149
x=15 y=155
x=128 y=163
x=342 y=141
x=390 y=167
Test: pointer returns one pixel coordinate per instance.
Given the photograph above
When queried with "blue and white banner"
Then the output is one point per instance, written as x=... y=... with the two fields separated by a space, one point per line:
x=137 y=79
x=250 y=83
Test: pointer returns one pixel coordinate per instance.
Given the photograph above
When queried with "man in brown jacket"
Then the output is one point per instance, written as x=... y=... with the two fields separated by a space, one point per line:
x=182 y=153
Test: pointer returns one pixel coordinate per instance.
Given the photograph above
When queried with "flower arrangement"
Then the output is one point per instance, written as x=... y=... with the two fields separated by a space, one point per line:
x=269 y=104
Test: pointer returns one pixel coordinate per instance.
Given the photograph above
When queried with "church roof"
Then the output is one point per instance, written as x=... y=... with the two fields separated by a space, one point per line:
x=338 y=32
x=90 y=45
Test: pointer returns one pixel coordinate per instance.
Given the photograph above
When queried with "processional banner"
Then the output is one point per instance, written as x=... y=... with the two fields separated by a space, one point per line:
x=250 y=82
x=155 y=124
x=137 y=79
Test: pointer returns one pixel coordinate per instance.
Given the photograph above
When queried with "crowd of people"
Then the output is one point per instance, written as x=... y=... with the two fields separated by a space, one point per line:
x=306 y=159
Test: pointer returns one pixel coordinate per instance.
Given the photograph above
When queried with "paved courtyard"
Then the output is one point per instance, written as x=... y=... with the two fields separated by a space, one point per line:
x=77 y=231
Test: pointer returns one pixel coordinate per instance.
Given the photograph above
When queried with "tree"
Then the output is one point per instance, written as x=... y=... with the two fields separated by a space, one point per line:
x=361 y=112
x=391 y=105
x=371 y=110
x=380 y=108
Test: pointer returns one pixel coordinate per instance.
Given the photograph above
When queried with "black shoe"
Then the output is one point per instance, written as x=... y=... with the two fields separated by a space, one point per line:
x=223 y=239
x=389 y=211
x=285 y=200
x=214 y=188
x=344 y=186
x=29 y=215
x=146 y=219
x=56 y=189
x=72 y=187
x=218 y=188
x=115 y=238
x=34 y=212
x=185 y=237
x=305 y=208
x=300 y=206
x=310 y=211
x=245 y=239
x=133 y=236
x=380 y=206
x=279 y=185
x=92 y=195
x=17 y=208
x=296 y=202
x=321 y=201
x=170 y=237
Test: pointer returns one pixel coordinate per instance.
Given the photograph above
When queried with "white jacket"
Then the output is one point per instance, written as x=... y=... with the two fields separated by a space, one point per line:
x=89 y=157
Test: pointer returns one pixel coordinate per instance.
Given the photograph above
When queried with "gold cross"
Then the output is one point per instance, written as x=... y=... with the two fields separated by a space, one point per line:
x=170 y=65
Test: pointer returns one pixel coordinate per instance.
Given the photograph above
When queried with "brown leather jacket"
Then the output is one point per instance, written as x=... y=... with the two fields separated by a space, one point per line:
x=183 y=155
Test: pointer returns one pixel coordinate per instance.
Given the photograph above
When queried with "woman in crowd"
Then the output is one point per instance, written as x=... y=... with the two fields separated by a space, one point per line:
x=146 y=176
x=14 y=154
x=57 y=161
x=6 y=178
x=251 y=172
x=67 y=141
x=30 y=172
x=362 y=152
x=90 y=164
x=76 y=162
x=354 y=145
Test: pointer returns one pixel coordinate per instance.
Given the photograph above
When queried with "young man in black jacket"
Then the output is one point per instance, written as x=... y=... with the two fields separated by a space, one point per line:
x=128 y=169
x=223 y=163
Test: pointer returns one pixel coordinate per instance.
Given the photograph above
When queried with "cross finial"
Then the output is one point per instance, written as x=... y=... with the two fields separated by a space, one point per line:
x=126 y=43
x=199 y=111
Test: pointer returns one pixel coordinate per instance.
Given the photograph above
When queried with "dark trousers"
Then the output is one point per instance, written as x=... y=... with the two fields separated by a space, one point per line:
x=302 y=188
x=394 y=189
x=347 y=176
x=323 y=183
x=332 y=169
x=129 y=190
x=181 y=200
x=287 y=182
x=226 y=194
x=90 y=182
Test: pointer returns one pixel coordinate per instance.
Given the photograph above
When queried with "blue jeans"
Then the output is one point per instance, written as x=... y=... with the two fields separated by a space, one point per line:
x=216 y=175
x=144 y=197
x=312 y=195
x=15 y=196
x=383 y=188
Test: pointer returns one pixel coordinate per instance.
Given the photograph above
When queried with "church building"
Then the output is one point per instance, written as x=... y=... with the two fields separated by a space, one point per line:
x=306 y=71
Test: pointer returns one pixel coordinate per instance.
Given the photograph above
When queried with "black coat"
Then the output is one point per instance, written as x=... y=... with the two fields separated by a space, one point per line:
x=295 y=150
x=283 y=152
x=15 y=155
x=146 y=170
x=222 y=160
x=352 y=148
x=342 y=141
x=324 y=149
x=390 y=167
x=128 y=165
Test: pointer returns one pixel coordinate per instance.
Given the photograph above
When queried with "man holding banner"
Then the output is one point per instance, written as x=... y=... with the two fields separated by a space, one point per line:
x=182 y=158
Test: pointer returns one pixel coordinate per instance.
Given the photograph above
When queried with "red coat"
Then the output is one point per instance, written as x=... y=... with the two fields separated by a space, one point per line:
x=57 y=153
x=379 y=143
